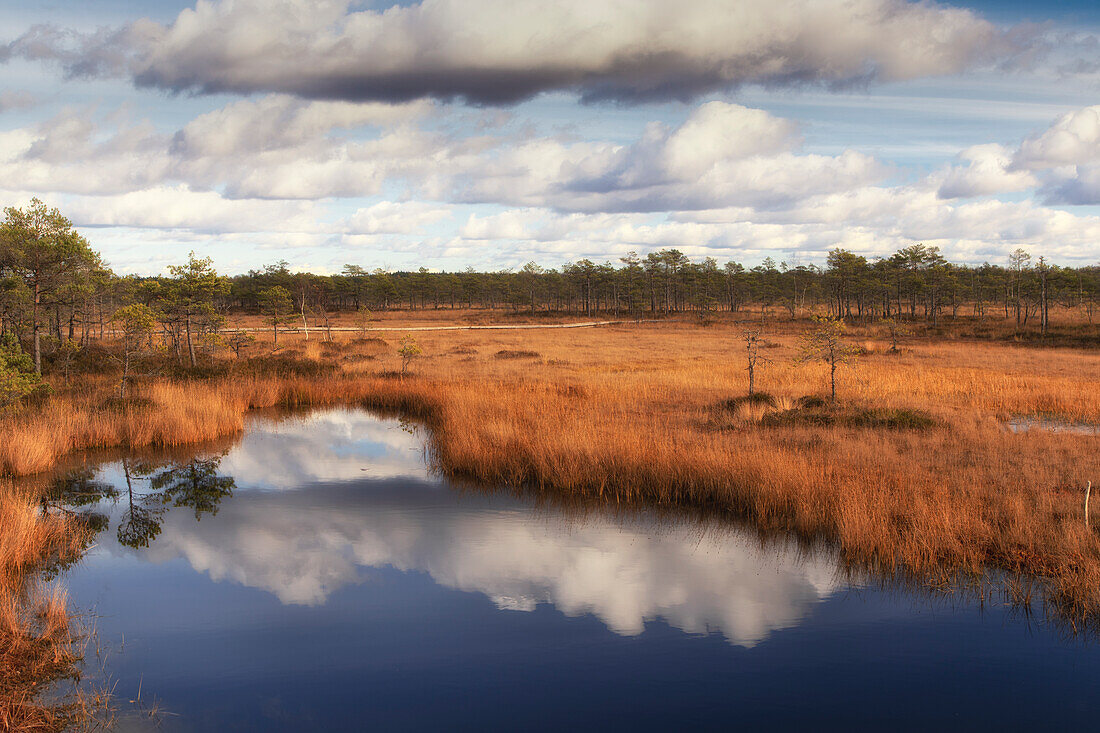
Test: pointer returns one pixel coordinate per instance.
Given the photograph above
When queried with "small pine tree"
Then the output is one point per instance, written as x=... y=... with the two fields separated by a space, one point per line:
x=276 y=304
x=17 y=374
x=753 y=358
x=238 y=340
x=363 y=319
x=409 y=350
x=897 y=332
x=826 y=343
x=137 y=322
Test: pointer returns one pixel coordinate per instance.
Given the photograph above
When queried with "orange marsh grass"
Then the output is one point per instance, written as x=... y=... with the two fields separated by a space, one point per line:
x=37 y=640
x=627 y=413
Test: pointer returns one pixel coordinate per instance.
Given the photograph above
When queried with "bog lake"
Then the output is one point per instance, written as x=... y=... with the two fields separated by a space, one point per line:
x=314 y=574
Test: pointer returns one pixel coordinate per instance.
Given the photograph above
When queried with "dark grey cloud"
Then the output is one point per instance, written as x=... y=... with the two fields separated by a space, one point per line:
x=497 y=52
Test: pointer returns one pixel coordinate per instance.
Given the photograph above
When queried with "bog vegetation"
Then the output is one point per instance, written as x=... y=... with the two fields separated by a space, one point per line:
x=862 y=405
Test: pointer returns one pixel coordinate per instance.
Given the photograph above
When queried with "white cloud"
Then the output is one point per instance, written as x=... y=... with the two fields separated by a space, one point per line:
x=281 y=148
x=987 y=169
x=724 y=132
x=1073 y=139
x=874 y=221
x=729 y=181
x=277 y=122
x=723 y=154
x=177 y=207
x=391 y=217
x=1069 y=154
x=68 y=153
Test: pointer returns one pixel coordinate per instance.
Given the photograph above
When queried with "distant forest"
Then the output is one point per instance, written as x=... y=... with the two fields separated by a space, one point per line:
x=56 y=290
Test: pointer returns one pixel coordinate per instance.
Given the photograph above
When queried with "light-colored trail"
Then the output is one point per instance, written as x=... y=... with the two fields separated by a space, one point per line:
x=498 y=327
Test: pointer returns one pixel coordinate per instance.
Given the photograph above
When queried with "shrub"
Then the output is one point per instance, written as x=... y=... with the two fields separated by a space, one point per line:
x=888 y=418
x=516 y=354
x=756 y=398
x=790 y=418
x=894 y=419
x=199 y=372
x=17 y=376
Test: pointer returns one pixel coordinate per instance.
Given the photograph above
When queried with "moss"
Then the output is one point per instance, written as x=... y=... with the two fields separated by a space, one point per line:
x=756 y=398
x=516 y=354
x=797 y=416
x=888 y=418
x=894 y=419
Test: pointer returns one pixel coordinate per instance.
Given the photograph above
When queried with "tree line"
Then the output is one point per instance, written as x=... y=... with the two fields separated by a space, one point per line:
x=57 y=294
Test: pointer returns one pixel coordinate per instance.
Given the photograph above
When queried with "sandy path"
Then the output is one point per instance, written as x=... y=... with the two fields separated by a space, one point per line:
x=501 y=327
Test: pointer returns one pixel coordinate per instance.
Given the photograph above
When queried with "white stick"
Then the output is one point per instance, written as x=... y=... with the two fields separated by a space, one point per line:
x=1088 y=488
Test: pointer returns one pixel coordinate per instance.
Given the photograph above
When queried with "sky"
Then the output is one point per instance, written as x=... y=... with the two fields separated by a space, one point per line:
x=490 y=133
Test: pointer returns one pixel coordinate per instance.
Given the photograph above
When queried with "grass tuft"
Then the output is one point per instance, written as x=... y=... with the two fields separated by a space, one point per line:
x=733 y=404
x=516 y=354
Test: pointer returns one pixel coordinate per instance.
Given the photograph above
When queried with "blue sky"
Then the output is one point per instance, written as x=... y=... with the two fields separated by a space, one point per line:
x=448 y=133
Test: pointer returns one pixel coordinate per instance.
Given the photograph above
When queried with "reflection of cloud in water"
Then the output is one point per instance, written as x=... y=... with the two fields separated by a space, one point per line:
x=333 y=445
x=303 y=545
x=323 y=529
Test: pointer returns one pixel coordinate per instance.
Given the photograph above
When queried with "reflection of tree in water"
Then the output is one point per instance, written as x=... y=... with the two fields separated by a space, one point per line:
x=77 y=490
x=76 y=494
x=194 y=483
x=140 y=523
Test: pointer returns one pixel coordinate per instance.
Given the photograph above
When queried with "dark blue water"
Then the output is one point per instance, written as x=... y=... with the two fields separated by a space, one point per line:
x=315 y=577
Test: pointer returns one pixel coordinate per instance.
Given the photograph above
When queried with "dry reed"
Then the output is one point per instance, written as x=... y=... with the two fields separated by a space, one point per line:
x=37 y=639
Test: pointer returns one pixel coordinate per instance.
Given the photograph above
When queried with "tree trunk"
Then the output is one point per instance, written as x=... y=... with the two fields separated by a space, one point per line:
x=125 y=374
x=1043 y=304
x=36 y=327
x=190 y=344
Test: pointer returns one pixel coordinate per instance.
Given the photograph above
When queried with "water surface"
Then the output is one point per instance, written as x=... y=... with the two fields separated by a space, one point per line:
x=1023 y=424
x=315 y=576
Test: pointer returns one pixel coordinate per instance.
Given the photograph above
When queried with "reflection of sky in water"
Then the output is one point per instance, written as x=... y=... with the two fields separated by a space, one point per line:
x=322 y=596
x=350 y=492
x=334 y=445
